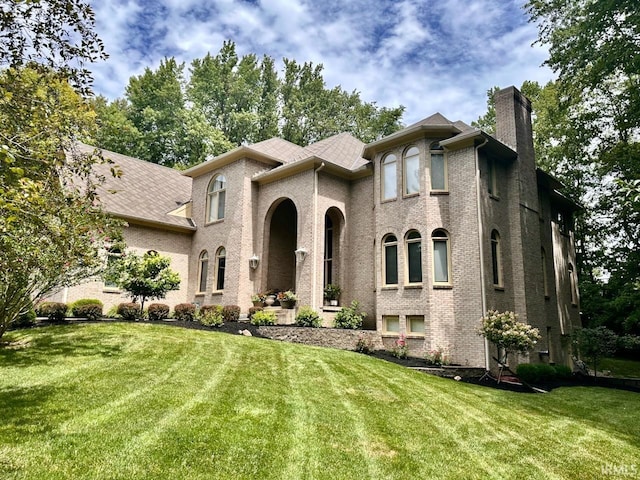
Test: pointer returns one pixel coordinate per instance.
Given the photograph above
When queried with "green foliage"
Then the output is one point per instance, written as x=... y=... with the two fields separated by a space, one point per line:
x=350 y=317
x=400 y=348
x=628 y=346
x=503 y=329
x=211 y=315
x=25 y=320
x=332 y=291
x=54 y=311
x=112 y=312
x=89 y=308
x=231 y=313
x=594 y=343
x=158 y=312
x=129 y=311
x=263 y=317
x=536 y=372
x=438 y=356
x=308 y=317
x=144 y=277
x=364 y=345
x=185 y=312
x=253 y=310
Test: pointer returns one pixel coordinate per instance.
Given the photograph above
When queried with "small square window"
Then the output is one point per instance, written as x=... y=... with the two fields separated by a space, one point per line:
x=391 y=324
x=415 y=325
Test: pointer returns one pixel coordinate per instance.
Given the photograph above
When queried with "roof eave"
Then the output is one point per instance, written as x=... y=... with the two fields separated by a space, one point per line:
x=308 y=163
x=230 y=157
x=155 y=223
x=407 y=134
x=472 y=137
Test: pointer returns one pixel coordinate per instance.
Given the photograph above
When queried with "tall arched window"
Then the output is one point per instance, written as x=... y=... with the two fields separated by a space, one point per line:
x=573 y=285
x=390 y=264
x=413 y=255
x=545 y=280
x=220 y=264
x=216 y=198
x=441 y=257
x=328 y=250
x=203 y=271
x=439 y=176
x=389 y=177
x=411 y=171
x=496 y=259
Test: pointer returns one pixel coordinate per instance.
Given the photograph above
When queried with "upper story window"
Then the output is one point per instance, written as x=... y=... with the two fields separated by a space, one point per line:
x=545 y=280
x=411 y=171
x=390 y=263
x=221 y=256
x=496 y=259
x=389 y=177
x=439 y=174
x=573 y=285
x=203 y=271
x=564 y=222
x=441 y=257
x=216 y=198
x=413 y=255
x=492 y=178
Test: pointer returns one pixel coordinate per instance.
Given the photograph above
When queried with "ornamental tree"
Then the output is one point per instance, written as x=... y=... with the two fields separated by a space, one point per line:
x=144 y=277
x=503 y=329
x=594 y=343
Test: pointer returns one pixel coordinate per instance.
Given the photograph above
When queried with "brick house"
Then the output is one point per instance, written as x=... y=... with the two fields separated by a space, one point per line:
x=427 y=228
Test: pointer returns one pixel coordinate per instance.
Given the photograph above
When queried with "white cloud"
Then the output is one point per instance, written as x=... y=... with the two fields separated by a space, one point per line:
x=429 y=55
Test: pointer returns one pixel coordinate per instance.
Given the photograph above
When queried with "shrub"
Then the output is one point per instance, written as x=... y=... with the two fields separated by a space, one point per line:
x=25 y=320
x=350 y=317
x=129 y=310
x=263 y=317
x=89 y=308
x=158 y=311
x=562 y=371
x=231 y=313
x=332 y=291
x=628 y=346
x=438 y=357
x=54 y=311
x=211 y=315
x=535 y=372
x=308 y=317
x=364 y=345
x=112 y=312
x=185 y=312
x=253 y=310
x=400 y=348
x=503 y=329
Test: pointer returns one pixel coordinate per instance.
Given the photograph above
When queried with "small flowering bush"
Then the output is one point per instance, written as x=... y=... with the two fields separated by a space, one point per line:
x=504 y=330
x=400 y=348
x=287 y=296
x=438 y=356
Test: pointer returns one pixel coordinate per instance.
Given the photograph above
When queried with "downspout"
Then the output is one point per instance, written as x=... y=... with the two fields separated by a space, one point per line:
x=483 y=290
x=314 y=270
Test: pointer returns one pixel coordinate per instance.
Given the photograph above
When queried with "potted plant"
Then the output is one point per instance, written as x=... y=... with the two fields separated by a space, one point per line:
x=332 y=293
x=287 y=299
x=258 y=299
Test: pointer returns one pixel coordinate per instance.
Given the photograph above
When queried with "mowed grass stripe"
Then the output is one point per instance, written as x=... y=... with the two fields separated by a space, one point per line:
x=128 y=401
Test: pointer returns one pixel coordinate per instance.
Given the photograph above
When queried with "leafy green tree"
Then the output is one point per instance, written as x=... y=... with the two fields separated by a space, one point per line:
x=504 y=330
x=147 y=276
x=116 y=132
x=595 y=344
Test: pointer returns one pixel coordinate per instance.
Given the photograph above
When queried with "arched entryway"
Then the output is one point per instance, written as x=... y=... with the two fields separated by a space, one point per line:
x=280 y=246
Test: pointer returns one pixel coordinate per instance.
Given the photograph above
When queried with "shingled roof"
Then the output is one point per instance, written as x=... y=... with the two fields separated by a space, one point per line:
x=145 y=193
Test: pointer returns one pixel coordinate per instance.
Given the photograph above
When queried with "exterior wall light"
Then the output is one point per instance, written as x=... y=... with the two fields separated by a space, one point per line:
x=253 y=262
x=301 y=254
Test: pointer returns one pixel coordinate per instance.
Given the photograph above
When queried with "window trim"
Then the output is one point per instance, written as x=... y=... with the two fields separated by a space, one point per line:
x=389 y=243
x=387 y=332
x=496 y=259
x=405 y=156
x=436 y=149
x=410 y=332
x=384 y=163
x=221 y=253
x=203 y=257
x=211 y=194
x=408 y=241
x=443 y=236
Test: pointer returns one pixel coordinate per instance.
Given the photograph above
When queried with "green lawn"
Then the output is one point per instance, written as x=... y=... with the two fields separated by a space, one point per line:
x=620 y=367
x=129 y=401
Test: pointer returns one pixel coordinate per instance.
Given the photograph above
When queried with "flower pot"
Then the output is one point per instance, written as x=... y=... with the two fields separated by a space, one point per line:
x=258 y=303
x=270 y=300
x=333 y=303
x=288 y=304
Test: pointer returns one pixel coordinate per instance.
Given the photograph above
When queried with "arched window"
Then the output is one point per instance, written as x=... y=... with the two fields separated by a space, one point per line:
x=216 y=198
x=413 y=255
x=545 y=280
x=411 y=169
x=439 y=174
x=496 y=259
x=389 y=177
x=220 y=264
x=573 y=284
x=390 y=264
x=328 y=250
x=441 y=257
x=203 y=271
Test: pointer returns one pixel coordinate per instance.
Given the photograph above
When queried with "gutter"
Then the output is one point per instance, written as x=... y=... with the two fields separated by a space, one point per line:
x=483 y=289
x=314 y=283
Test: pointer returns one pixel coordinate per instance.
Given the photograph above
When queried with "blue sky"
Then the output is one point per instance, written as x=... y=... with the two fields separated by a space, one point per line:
x=428 y=55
